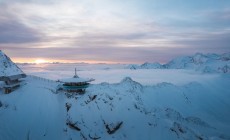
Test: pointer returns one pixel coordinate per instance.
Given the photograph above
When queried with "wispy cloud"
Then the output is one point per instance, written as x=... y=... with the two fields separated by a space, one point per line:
x=130 y=31
x=14 y=31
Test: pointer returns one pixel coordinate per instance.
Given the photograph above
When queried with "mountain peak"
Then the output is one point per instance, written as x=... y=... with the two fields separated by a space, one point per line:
x=129 y=83
x=7 y=66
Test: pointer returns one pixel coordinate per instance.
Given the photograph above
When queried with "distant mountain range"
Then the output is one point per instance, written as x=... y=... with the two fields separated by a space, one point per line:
x=200 y=62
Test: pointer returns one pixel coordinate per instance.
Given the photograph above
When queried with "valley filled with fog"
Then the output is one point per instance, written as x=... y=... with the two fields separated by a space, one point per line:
x=114 y=73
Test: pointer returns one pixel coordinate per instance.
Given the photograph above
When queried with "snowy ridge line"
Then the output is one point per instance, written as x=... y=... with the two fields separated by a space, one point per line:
x=205 y=63
x=41 y=79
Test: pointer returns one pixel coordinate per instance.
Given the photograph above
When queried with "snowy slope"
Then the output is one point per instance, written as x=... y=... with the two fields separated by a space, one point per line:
x=200 y=62
x=31 y=112
x=7 y=67
x=125 y=110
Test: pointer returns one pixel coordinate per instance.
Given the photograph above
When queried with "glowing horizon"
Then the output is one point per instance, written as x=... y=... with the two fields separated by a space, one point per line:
x=45 y=61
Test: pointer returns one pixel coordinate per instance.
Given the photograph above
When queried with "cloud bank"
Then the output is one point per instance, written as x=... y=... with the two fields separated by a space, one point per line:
x=113 y=31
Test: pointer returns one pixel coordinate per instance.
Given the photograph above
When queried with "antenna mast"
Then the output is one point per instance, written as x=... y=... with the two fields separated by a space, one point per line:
x=75 y=76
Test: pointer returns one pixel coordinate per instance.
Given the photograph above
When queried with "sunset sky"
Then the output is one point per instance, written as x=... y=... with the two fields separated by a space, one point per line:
x=112 y=31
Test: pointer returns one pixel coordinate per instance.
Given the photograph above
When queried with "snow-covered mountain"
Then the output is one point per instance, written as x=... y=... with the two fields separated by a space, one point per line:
x=125 y=110
x=7 y=67
x=199 y=62
x=146 y=65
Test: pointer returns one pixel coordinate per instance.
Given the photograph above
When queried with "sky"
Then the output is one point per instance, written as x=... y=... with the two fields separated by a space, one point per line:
x=112 y=31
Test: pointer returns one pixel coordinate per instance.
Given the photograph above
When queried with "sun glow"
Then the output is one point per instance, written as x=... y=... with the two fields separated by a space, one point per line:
x=40 y=61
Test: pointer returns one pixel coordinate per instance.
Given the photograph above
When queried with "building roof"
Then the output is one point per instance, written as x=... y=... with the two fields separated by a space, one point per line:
x=8 y=69
x=12 y=77
x=76 y=80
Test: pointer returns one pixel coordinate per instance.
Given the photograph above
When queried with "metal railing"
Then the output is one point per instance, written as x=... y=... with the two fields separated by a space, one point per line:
x=41 y=79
